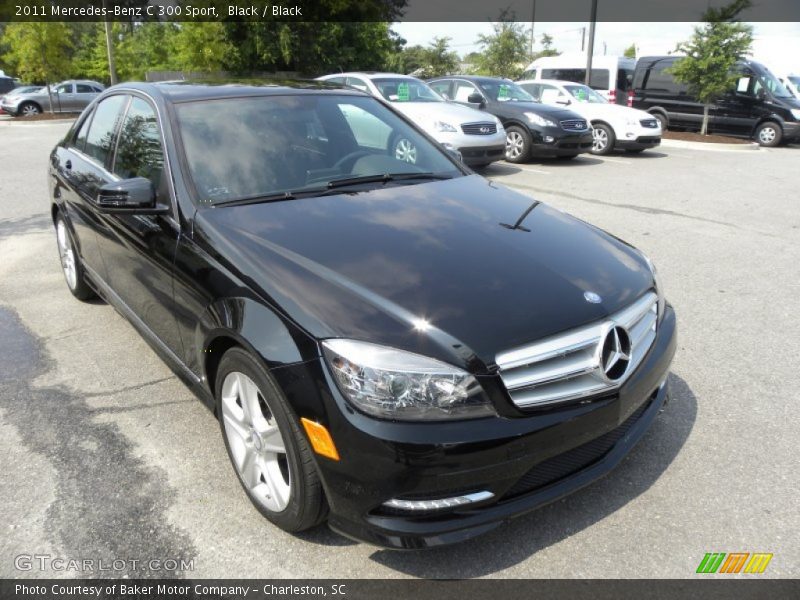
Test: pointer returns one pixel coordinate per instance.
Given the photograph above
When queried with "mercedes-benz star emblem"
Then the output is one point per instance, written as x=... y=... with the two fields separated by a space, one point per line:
x=615 y=355
x=592 y=297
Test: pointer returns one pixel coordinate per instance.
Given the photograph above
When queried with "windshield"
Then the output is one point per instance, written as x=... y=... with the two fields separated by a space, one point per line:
x=773 y=84
x=505 y=91
x=406 y=90
x=295 y=143
x=584 y=93
x=795 y=79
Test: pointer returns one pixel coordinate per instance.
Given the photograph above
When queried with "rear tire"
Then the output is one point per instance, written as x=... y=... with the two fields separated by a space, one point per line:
x=269 y=454
x=74 y=273
x=518 y=144
x=769 y=134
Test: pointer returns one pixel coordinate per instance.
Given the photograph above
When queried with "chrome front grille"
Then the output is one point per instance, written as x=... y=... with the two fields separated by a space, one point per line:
x=580 y=362
x=574 y=125
x=479 y=128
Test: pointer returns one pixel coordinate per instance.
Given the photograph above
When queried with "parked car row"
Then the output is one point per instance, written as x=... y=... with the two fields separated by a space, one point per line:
x=759 y=106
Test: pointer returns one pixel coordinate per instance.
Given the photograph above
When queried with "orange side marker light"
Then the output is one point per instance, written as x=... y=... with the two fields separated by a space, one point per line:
x=321 y=440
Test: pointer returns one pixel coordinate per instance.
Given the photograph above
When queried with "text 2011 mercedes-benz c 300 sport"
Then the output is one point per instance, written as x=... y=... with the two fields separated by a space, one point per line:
x=400 y=347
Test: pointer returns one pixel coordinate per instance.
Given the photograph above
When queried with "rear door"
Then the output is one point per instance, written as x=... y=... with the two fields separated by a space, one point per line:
x=81 y=167
x=84 y=94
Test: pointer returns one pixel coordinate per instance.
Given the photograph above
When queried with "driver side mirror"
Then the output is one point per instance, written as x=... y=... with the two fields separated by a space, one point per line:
x=476 y=98
x=136 y=195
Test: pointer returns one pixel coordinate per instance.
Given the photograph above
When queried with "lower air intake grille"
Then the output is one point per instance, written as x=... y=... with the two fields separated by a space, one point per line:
x=572 y=461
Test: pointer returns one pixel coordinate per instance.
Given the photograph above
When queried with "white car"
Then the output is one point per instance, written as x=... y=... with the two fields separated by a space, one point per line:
x=613 y=126
x=478 y=136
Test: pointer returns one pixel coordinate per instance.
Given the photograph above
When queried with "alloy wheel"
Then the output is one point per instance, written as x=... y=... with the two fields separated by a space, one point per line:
x=29 y=110
x=599 y=139
x=67 y=255
x=255 y=442
x=514 y=144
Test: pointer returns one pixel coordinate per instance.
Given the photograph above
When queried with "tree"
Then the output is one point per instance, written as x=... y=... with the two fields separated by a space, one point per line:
x=547 y=48
x=711 y=54
x=438 y=59
x=38 y=51
x=630 y=51
x=203 y=47
x=408 y=60
x=505 y=52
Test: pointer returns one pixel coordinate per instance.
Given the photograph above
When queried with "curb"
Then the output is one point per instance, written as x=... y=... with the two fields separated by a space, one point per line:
x=13 y=123
x=713 y=147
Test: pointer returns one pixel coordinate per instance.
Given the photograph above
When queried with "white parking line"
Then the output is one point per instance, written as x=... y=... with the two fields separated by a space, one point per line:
x=614 y=160
x=532 y=170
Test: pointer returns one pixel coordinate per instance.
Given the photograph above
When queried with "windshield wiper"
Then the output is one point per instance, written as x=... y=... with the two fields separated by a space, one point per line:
x=279 y=197
x=385 y=177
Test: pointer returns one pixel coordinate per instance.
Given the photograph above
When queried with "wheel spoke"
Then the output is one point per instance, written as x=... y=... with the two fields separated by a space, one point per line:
x=279 y=491
x=272 y=441
x=250 y=470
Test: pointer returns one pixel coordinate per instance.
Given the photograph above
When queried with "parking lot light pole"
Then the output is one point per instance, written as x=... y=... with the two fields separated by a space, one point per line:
x=112 y=69
x=590 y=49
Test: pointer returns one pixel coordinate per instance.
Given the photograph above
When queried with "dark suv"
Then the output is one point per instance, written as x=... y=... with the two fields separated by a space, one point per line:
x=532 y=128
x=758 y=106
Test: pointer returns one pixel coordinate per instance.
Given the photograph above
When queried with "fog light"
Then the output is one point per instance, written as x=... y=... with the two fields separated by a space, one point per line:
x=439 y=503
x=549 y=139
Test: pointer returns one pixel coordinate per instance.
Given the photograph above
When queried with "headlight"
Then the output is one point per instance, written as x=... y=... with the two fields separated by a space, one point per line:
x=796 y=113
x=442 y=126
x=539 y=120
x=394 y=384
x=659 y=288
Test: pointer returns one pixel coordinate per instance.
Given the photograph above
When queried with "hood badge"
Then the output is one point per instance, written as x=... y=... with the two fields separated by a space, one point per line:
x=592 y=298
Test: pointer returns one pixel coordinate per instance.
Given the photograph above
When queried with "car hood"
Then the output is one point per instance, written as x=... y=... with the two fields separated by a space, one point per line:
x=427 y=112
x=434 y=268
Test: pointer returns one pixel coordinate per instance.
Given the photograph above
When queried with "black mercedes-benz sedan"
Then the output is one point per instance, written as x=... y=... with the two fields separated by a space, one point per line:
x=407 y=351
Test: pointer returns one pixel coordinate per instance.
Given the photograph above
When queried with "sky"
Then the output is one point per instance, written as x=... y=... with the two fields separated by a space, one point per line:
x=775 y=44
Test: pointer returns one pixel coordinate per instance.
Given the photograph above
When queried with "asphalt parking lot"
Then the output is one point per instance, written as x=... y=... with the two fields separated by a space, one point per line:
x=106 y=455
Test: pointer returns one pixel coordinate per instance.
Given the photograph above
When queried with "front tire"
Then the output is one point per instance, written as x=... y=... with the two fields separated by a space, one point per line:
x=71 y=263
x=769 y=134
x=518 y=144
x=268 y=452
x=603 y=139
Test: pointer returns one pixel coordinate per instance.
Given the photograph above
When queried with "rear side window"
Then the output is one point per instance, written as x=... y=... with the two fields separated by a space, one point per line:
x=83 y=88
x=79 y=141
x=600 y=77
x=100 y=139
x=139 y=151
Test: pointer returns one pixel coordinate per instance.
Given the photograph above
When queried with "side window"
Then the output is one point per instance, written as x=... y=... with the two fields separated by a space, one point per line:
x=357 y=83
x=83 y=88
x=96 y=90
x=337 y=80
x=368 y=130
x=139 y=150
x=550 y=94
x=463 y=90
x=64 y=88
x=441 y=87
x=79 y=140
x=534 y=89
x=100 y=139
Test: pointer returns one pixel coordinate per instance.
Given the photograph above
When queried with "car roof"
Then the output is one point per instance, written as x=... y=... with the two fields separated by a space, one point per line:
x=476 y=78
x=370 y=75
x=186 y=91
x=561 y=82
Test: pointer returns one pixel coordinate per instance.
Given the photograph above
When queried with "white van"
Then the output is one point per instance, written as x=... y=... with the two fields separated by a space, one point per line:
x=791 y=83
x=611 y=75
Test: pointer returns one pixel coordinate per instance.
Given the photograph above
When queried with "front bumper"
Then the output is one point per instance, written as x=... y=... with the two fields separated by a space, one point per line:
x=11 y=109
x=515 y=456
x=791 y=131
x=481 y=155
x=563 y=143
x=639 y=143
x=476 y=149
